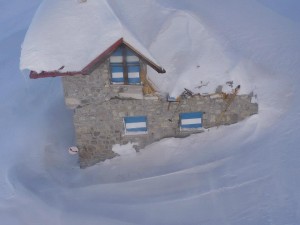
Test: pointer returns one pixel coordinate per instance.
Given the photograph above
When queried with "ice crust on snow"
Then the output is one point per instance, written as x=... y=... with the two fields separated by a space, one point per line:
x=67 y=33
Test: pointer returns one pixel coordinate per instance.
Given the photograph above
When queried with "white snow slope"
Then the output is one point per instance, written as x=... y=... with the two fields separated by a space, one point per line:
x=246 y=173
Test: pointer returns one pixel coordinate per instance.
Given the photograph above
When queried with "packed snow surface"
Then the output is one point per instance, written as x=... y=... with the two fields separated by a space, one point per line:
x=246 y=173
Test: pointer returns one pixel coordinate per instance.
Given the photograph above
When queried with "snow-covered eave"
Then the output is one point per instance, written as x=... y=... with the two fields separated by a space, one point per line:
x=101 y=58
x=152 y=64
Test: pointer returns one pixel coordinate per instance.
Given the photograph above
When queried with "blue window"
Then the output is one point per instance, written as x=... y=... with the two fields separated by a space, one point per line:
x=190 y=121
x=135 y=125
x=125 y=69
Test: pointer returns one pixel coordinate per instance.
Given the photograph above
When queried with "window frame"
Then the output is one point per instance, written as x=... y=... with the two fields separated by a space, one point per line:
x=136 y=127
x=126 y=58
x=191 y=121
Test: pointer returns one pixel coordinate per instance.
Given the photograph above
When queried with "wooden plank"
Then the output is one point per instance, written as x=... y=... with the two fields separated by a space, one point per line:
x=125 y=72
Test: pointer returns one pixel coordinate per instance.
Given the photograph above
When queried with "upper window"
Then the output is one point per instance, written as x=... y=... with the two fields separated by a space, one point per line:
x=125 y=67
x=190 y=121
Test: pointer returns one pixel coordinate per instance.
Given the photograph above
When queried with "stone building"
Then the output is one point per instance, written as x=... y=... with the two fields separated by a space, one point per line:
x=114 y=102
x=105 y=61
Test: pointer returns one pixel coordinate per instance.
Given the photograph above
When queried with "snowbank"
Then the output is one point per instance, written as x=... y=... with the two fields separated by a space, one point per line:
x=242 y=174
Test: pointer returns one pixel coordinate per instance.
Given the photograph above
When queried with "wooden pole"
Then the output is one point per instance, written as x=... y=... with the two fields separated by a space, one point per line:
x=124 y=61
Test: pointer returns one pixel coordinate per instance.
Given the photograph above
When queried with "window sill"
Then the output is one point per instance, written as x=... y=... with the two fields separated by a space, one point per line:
x=126 y=134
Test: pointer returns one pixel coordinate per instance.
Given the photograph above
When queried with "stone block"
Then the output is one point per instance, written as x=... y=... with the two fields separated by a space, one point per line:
x=72 y=103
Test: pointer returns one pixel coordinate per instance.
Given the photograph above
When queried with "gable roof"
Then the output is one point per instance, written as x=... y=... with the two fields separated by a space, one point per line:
x=112 y=48
x=99 y=59
x=66 y=38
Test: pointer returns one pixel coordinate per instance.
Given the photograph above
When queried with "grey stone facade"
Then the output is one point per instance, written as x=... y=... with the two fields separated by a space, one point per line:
x=100 y=107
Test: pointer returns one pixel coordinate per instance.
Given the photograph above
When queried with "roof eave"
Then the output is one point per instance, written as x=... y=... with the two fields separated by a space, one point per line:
x=152 y=64
x=44 y=74
x=101 y=58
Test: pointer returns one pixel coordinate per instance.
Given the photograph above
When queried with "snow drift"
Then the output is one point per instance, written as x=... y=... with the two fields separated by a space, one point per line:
x=242 y=174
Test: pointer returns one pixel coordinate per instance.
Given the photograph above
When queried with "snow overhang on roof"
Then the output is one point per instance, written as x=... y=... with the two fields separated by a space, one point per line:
x=101 y=58
x=69 y=38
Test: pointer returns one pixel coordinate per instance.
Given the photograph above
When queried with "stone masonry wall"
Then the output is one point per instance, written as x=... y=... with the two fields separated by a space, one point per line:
x=99 y=113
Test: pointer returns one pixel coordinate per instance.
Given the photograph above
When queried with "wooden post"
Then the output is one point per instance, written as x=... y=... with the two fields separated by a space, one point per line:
x=125 y=68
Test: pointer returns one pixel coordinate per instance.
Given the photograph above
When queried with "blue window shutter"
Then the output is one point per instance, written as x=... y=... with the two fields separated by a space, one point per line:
x=191 y=120
x=117 y=74
x=135 y=125
x=130 y=53
x=131 y=57
x=134 y=74
x=117 y=52
x=116 y=56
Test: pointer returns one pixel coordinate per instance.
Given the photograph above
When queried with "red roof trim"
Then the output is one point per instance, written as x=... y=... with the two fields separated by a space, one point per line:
x=35 y=75
x=102 y=56
x=99 y=59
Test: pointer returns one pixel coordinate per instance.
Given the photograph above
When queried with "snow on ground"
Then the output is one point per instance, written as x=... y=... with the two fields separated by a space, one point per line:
x=240 y=174
x=124 y=150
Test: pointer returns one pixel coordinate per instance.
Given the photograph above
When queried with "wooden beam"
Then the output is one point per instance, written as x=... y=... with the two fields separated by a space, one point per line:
x=124 y=62
x=35 y=75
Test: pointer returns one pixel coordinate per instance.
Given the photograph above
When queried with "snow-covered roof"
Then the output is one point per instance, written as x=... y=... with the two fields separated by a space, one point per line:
x=67 y=35
x=71 y=34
